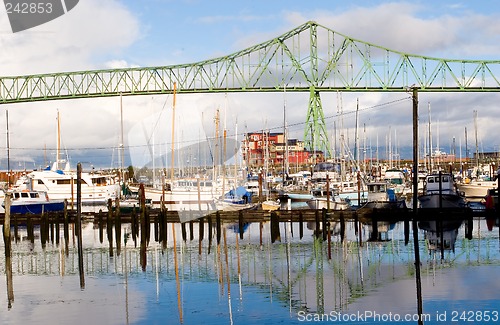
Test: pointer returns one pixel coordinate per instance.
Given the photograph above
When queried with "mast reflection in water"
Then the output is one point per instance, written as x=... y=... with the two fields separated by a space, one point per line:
x=214 y=272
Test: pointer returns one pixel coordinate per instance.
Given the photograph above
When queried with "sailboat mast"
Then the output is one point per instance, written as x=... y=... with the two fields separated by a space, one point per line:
x=122 y=154
x=172 y=162
x=477 y=147
x=285 y=138
x=58 y=151
x=8 y=149
x=356 y=136
x=430 y=139
x=236 y=158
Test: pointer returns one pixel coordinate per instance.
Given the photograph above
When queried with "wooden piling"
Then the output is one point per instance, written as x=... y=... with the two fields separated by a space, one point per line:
x=201 y=229
x=342 y=226
x=218 y=227
x=275 y=227
x=57 y=231
x=6 y=223
x=8 y=249
x=156 y=228
x=109 y=232
x=118 y=233
x=210 y=233
x=79 y=223
x=241 y=224
x=183 y=230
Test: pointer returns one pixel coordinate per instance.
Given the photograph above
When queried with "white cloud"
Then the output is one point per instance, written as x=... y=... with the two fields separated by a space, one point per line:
x=411 y=28
x=71 y=42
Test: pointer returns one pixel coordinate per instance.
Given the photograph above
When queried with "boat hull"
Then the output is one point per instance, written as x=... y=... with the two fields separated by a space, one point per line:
x=230 y=206
x=448 y=201
x=36 y=208
x=322 y=203
x=181 y=200
x=476 y=191
x=270 y=205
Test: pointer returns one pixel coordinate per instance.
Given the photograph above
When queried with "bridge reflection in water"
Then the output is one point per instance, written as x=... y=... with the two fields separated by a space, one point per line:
x=281 y=268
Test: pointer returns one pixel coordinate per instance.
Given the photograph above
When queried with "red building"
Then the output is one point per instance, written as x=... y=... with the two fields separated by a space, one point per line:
x=257 y=146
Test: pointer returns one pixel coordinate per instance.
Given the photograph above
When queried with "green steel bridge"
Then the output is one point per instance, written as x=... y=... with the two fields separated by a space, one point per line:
x=310 y=58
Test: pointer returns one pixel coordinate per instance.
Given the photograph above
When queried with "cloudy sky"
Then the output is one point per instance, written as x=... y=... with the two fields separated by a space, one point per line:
x=128 y=33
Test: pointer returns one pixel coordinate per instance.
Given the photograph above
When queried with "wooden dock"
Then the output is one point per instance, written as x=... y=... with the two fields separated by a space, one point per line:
x=257 y=215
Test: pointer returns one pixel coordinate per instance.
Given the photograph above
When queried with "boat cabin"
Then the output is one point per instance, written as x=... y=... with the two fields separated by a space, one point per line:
x=434 y=183
x=26 y=195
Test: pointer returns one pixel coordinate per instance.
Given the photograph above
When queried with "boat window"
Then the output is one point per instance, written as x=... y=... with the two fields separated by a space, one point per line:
x=63 y=181
x=101 y=181
x=24 y=194
x=34 y=195
x=16 y=195
x=39 y=181
x=445 y=179
x=430 y=180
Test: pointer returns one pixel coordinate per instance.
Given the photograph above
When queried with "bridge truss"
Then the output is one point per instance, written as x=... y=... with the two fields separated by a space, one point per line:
x=310 y=58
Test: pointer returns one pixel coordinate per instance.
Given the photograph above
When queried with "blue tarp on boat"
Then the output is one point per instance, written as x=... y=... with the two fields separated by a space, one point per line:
x=240 y=193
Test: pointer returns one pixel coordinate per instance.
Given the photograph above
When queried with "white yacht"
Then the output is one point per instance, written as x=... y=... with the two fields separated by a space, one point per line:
x=96 y=188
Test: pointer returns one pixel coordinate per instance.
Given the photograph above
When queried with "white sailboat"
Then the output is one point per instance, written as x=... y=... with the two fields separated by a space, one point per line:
x=268 y=204
x=191 y=197
x=475 y=187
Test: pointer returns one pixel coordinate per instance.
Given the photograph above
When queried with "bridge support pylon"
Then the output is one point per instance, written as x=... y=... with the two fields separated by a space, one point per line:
x=315 y=134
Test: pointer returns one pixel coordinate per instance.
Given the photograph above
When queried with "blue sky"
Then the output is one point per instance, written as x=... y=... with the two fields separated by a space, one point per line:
x=128 y=33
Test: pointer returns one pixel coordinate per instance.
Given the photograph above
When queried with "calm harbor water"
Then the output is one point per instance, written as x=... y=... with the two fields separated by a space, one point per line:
x=249 y=280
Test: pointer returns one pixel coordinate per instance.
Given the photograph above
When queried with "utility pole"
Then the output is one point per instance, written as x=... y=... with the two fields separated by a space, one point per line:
x=415 y=210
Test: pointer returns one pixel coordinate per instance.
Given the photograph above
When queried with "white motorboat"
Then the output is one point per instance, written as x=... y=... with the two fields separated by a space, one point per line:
x=381 y=196
x=320 y=199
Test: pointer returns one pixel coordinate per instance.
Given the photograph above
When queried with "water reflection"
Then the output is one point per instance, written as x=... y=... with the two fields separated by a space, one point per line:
x=151 y=271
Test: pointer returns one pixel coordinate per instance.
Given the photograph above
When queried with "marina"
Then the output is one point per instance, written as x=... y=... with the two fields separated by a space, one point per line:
x=327 y=208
